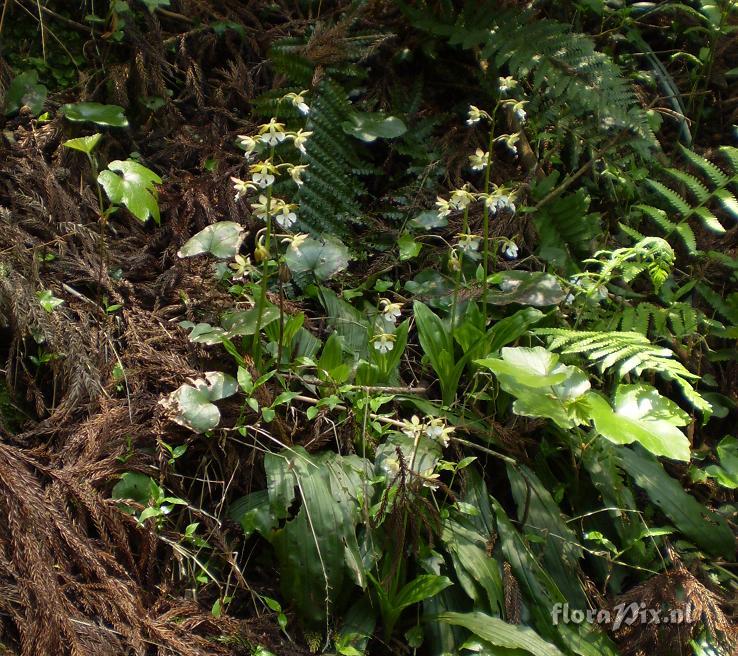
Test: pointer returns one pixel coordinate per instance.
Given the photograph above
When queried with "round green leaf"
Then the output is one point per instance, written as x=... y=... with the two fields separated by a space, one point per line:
x=368 y=126
x=93 y=112
x=25 y=91
x=324 y=257
x=222 y=239
x=192 y=405
x=135 y=486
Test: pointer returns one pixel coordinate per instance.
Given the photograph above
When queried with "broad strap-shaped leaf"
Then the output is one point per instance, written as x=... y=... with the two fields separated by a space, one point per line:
x=474 y=568
x=501 y=634
x=542 y=593
x=559 y=550
x=704 y=527
x=318 y=550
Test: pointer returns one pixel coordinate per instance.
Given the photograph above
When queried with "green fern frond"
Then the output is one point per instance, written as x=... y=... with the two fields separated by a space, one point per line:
x=671 y=197
x=679 y=320
x=329 y=196
x=624 y=352
x=706 y=167
x=691 y=197
x=564 y=223
x=697 y=189
x=567 y=74
x=286 y=56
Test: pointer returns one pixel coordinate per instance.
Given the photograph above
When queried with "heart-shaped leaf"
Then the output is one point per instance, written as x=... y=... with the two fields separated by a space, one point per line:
x=112 y=115
x=532 y=367
x=222 y=239
x=542 y=386
x=48 y=301
x=368 y=126
x=324 y=257
x=84 y=144
x=25 y=91
x=428 y=220
x=134 y=188
x=527 y=288
x=137 y=487
x=642 y=415
x=191 y=405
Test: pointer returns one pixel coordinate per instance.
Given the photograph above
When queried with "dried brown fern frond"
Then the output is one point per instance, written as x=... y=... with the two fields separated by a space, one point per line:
x=676 y=594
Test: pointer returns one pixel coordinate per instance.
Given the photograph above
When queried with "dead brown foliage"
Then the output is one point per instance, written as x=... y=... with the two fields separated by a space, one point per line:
x=77 y=575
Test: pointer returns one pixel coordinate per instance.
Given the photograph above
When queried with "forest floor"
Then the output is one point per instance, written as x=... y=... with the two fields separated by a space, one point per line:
x=82 y=385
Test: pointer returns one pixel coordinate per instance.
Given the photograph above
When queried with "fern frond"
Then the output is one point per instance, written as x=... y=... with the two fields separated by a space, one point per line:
x=696 y=188
x=567 y=74
x=564 y=223
x=707 y=194
x=670 y=196
x=624 y=352
x=706 y=167
x=329 y=196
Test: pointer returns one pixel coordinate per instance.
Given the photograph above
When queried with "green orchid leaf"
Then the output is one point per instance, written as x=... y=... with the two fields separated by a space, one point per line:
x=191 y=405
x=369 y=126
x=702 y=526
x=501 y=634
x=222 y=239
x=642 y=415
x=323 y=257
x=92 y=112
x=134 y=188
x=25 y=91
x=726 y=474
x=254 y=514
x=420 y=588
x=526 y=288
x=244 y=322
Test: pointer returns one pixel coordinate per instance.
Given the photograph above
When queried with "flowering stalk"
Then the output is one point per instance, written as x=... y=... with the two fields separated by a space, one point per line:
x=256 y=344
x=485 y=214
x=457 y=285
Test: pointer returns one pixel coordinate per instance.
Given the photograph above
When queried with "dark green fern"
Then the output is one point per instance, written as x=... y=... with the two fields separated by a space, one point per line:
x=565 y=224
x=568 y=77
x=329 y=196
x=689 y=196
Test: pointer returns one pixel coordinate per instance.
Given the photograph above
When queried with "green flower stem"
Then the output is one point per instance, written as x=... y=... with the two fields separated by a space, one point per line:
x=457 y=284
x=256 y=344
x=485 y=213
